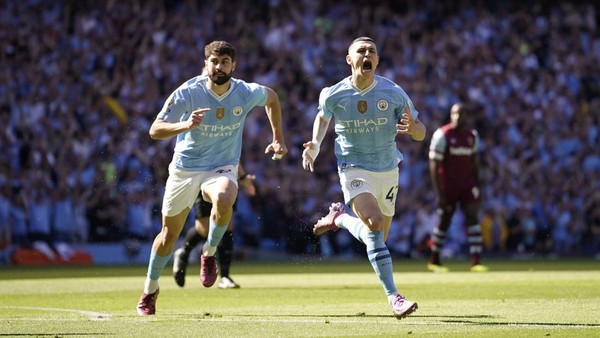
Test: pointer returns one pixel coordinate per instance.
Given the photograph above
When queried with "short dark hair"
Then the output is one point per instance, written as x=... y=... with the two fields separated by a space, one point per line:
x=219 y=48
x=361 y=39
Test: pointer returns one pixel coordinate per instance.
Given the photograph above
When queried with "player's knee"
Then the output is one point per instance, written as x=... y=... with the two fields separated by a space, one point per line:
x=224 y=205
x=167 y=237
x=375 y=222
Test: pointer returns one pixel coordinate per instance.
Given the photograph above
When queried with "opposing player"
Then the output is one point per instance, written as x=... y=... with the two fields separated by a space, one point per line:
x=369 y=111
x=207 y=115
x=454 y=170
x=199 y=232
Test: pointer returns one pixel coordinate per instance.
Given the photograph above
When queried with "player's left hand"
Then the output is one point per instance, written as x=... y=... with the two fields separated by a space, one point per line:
x=411 y=126
x=406 y=124
x=278 y=149
x=309 y=155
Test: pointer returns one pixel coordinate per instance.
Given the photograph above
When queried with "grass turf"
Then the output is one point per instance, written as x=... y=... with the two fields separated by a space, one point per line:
x=308 y=298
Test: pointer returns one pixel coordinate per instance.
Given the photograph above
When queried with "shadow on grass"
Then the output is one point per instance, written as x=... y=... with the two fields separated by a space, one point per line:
x=56 y=334
x=456 y=320
x=358 y=315
x=469 y=322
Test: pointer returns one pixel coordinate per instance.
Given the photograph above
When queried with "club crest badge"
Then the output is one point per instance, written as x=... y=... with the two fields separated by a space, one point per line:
x=355 y=184
x=382 y=105
x=220 y=113
x=237 y=111
x=362 y=106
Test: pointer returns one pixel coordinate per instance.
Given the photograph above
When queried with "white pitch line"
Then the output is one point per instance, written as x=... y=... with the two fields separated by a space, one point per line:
x=93 y=315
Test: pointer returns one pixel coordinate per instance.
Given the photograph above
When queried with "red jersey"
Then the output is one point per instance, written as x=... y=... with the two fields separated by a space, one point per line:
x=455 y=150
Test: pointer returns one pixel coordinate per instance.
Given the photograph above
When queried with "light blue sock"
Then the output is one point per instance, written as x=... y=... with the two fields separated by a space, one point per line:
x=354 y=225
x=157 y=264
x=215 y=233
x=381 y=260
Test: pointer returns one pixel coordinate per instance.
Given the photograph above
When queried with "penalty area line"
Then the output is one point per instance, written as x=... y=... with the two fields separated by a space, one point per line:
x=91 y=314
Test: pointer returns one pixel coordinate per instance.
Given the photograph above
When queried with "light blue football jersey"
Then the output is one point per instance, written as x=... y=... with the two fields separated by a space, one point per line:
x=365 y=122
x=218 y=140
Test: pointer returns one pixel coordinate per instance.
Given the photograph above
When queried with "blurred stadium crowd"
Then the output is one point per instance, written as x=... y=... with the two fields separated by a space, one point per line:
x=81 y=82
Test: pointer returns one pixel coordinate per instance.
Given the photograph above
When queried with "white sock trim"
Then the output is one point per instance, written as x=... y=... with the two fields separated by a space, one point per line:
x=150 y=286
x=338 y=220
x=392 y=297
x=208 y=250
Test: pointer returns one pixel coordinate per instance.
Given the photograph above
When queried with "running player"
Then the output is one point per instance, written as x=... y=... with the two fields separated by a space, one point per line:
x=369 y=111
x=206 y=114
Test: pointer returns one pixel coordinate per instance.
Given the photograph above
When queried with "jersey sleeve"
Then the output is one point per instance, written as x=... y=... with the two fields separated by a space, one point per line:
x=437 y=148
x=257 y=94
x=323 y=103
x=174 y=108
x=409 y=107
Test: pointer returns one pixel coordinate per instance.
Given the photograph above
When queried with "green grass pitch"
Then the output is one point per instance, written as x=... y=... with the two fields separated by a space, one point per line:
x=307 y=298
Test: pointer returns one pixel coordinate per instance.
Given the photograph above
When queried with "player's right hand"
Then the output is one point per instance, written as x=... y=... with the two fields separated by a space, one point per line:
x=248 y=184
x=196 y=118
x=309 y=155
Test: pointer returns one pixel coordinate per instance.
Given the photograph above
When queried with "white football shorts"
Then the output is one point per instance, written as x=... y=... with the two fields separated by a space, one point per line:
x=183 y=186
x=382 y=185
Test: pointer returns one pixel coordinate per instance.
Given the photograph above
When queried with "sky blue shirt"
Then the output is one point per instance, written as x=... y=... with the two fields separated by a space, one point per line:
x=365 y=122
x=40 y=213
x=218 y=140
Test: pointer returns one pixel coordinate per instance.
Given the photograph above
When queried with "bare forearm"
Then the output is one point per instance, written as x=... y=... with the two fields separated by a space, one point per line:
x=419 y=131
x=273 y=110
x=319 y=129
x=435 y=180
x=161 y=130
x=274 y=115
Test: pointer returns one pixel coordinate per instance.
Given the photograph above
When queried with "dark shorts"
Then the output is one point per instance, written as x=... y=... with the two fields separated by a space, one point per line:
x=463 y=195
x=203 y=208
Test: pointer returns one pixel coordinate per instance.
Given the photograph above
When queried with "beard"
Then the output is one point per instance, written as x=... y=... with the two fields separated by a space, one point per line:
x=220 y=78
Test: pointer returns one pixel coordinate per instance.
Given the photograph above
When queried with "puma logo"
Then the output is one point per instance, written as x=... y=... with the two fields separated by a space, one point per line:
x=343 y=106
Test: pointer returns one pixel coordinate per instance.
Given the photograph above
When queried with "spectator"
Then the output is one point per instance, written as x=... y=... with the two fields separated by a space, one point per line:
x=63 y=224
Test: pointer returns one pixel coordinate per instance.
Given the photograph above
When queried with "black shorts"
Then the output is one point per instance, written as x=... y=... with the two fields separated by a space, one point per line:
x=203 y=207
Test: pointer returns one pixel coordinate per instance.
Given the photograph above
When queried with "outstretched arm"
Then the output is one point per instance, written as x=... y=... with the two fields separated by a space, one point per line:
x=273 y=110
x=161 y=129
x=312 y=147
